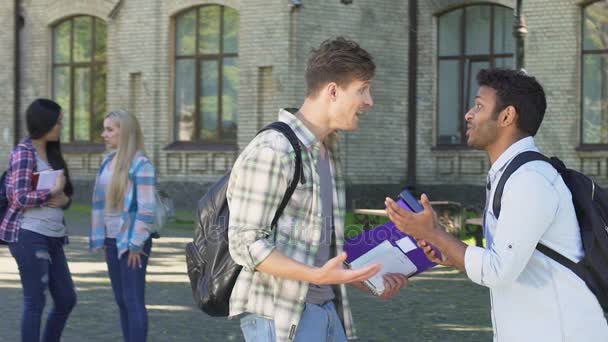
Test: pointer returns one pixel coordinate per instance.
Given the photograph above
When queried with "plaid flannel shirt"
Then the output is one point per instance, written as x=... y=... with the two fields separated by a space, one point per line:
x=138 y=210
x=20 y=189
x=258 y=181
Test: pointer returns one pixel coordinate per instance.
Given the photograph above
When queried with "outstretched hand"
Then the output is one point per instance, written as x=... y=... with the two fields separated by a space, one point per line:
x=333 y=272
x=419 y=225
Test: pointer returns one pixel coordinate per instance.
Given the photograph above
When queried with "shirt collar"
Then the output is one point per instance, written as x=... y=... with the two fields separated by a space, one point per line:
x=307 y=138
x=525 y=144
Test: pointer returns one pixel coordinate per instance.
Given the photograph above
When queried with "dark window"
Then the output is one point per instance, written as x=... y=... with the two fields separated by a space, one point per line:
x=470 y=38
x=79 y=76
x=594 y=102
x=206 y=74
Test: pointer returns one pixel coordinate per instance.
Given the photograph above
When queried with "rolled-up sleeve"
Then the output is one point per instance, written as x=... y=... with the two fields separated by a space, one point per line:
x=255 y=189
x=24 y=195
x=528 y=207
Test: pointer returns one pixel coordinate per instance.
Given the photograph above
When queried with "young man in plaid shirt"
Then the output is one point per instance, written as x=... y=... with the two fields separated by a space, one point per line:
x=292 y=283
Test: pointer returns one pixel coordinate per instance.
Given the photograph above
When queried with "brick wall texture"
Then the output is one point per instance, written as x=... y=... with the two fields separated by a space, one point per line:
x=274 y=41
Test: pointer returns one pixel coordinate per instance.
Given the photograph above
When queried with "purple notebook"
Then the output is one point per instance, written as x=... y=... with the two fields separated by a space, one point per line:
x=369 y=239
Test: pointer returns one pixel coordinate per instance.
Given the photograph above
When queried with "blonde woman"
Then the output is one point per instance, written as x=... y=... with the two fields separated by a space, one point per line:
x=123 y=215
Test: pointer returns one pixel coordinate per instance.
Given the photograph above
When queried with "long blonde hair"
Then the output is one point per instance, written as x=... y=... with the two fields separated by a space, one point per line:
x=131 y=141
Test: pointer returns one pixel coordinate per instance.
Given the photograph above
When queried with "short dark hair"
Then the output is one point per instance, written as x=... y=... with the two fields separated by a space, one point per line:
x=520 y=90
x=338 y=60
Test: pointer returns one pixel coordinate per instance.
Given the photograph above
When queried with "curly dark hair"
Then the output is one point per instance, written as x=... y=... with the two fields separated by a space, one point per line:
x=338 y=60
x=518 y=89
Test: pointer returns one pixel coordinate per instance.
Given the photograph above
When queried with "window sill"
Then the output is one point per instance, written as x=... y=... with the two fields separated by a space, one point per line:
x=82 y=147
x=595 y=147
x=200 y=146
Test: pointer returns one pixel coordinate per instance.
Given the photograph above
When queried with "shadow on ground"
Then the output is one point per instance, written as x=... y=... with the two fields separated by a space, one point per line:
x=441 y=305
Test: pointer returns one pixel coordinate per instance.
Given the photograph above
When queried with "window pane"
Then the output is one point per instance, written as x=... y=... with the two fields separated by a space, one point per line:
x=506 y=62
x=61 y=40
x=231 y=30
x=82 y=39
x=595 y=111
x=61 y=95
x=230 y=86
x=595 y=26
x=99 y=101
x=477 y=30
x=449 y=104
x=503 y=30
x=208 y=100
x=184 y=99
x=449 y=33
x=186 y=34
x=472 y=68
x=209 y=29
x=82 y=100
x=101 y=35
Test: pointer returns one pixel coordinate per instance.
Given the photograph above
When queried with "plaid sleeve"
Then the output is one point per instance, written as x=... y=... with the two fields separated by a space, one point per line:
x=255 y=189
x=22 y=169
x=145 y=183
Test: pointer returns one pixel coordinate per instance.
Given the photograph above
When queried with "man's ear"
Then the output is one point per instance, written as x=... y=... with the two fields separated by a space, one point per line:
x=332 y=91
x=508 y=116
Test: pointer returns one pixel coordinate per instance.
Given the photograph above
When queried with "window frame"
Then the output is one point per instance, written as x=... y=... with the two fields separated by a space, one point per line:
x=199 y=58
x=585 y=52
x=92 y=66
x=462 y=59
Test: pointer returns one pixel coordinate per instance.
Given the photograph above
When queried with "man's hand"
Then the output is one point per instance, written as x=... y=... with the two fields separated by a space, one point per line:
x=134 y=260
x=333 y=272
x=419 y=225
x=393 y=283
x=432 y=255
x=59 y=200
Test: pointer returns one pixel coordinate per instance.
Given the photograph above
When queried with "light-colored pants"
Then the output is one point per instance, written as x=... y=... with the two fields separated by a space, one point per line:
x=318 y=323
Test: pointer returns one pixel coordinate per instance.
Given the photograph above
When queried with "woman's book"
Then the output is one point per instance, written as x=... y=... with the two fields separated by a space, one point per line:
x=45 y=180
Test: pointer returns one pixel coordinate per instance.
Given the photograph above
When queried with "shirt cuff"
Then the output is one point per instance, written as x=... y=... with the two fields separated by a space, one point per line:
x=260 y=250
x=473 y=261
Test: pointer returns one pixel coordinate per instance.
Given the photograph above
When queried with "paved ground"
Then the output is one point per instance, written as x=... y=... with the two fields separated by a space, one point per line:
x=441 y=305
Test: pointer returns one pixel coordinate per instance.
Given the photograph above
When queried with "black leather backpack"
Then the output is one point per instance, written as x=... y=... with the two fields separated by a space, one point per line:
x=212 y=271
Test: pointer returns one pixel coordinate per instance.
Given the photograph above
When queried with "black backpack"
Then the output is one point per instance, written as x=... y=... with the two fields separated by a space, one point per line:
x=211 y=269
x=591 y=206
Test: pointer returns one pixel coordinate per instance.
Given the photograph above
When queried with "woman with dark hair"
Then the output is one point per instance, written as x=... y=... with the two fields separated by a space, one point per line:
x=34 y=225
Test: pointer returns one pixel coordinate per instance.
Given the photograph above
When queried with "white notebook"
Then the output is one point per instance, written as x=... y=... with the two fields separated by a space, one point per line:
x=392 y=259
x=46 y=179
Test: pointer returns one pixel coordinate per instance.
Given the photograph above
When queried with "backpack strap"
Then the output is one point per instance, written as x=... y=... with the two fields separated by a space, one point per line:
x=557 y=257
x=299 y=170
x=518 y=161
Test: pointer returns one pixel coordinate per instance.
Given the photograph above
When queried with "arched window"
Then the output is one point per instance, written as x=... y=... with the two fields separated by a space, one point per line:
x=594 y=100
x=206 y=74
x=79 y=76
x=469 y=39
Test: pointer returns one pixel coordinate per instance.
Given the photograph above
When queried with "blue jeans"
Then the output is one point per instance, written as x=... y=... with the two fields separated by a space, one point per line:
x=318 y=323
x=42 y=265
x=129 y=285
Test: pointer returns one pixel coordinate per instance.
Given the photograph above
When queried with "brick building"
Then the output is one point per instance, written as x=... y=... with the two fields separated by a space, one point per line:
x=203 y=76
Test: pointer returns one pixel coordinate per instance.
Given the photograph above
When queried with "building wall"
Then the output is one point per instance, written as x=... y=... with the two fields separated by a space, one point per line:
x=7 y=44
x=274 y=41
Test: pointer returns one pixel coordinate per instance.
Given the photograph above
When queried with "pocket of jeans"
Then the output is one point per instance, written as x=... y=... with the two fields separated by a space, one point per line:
x=249 y=327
